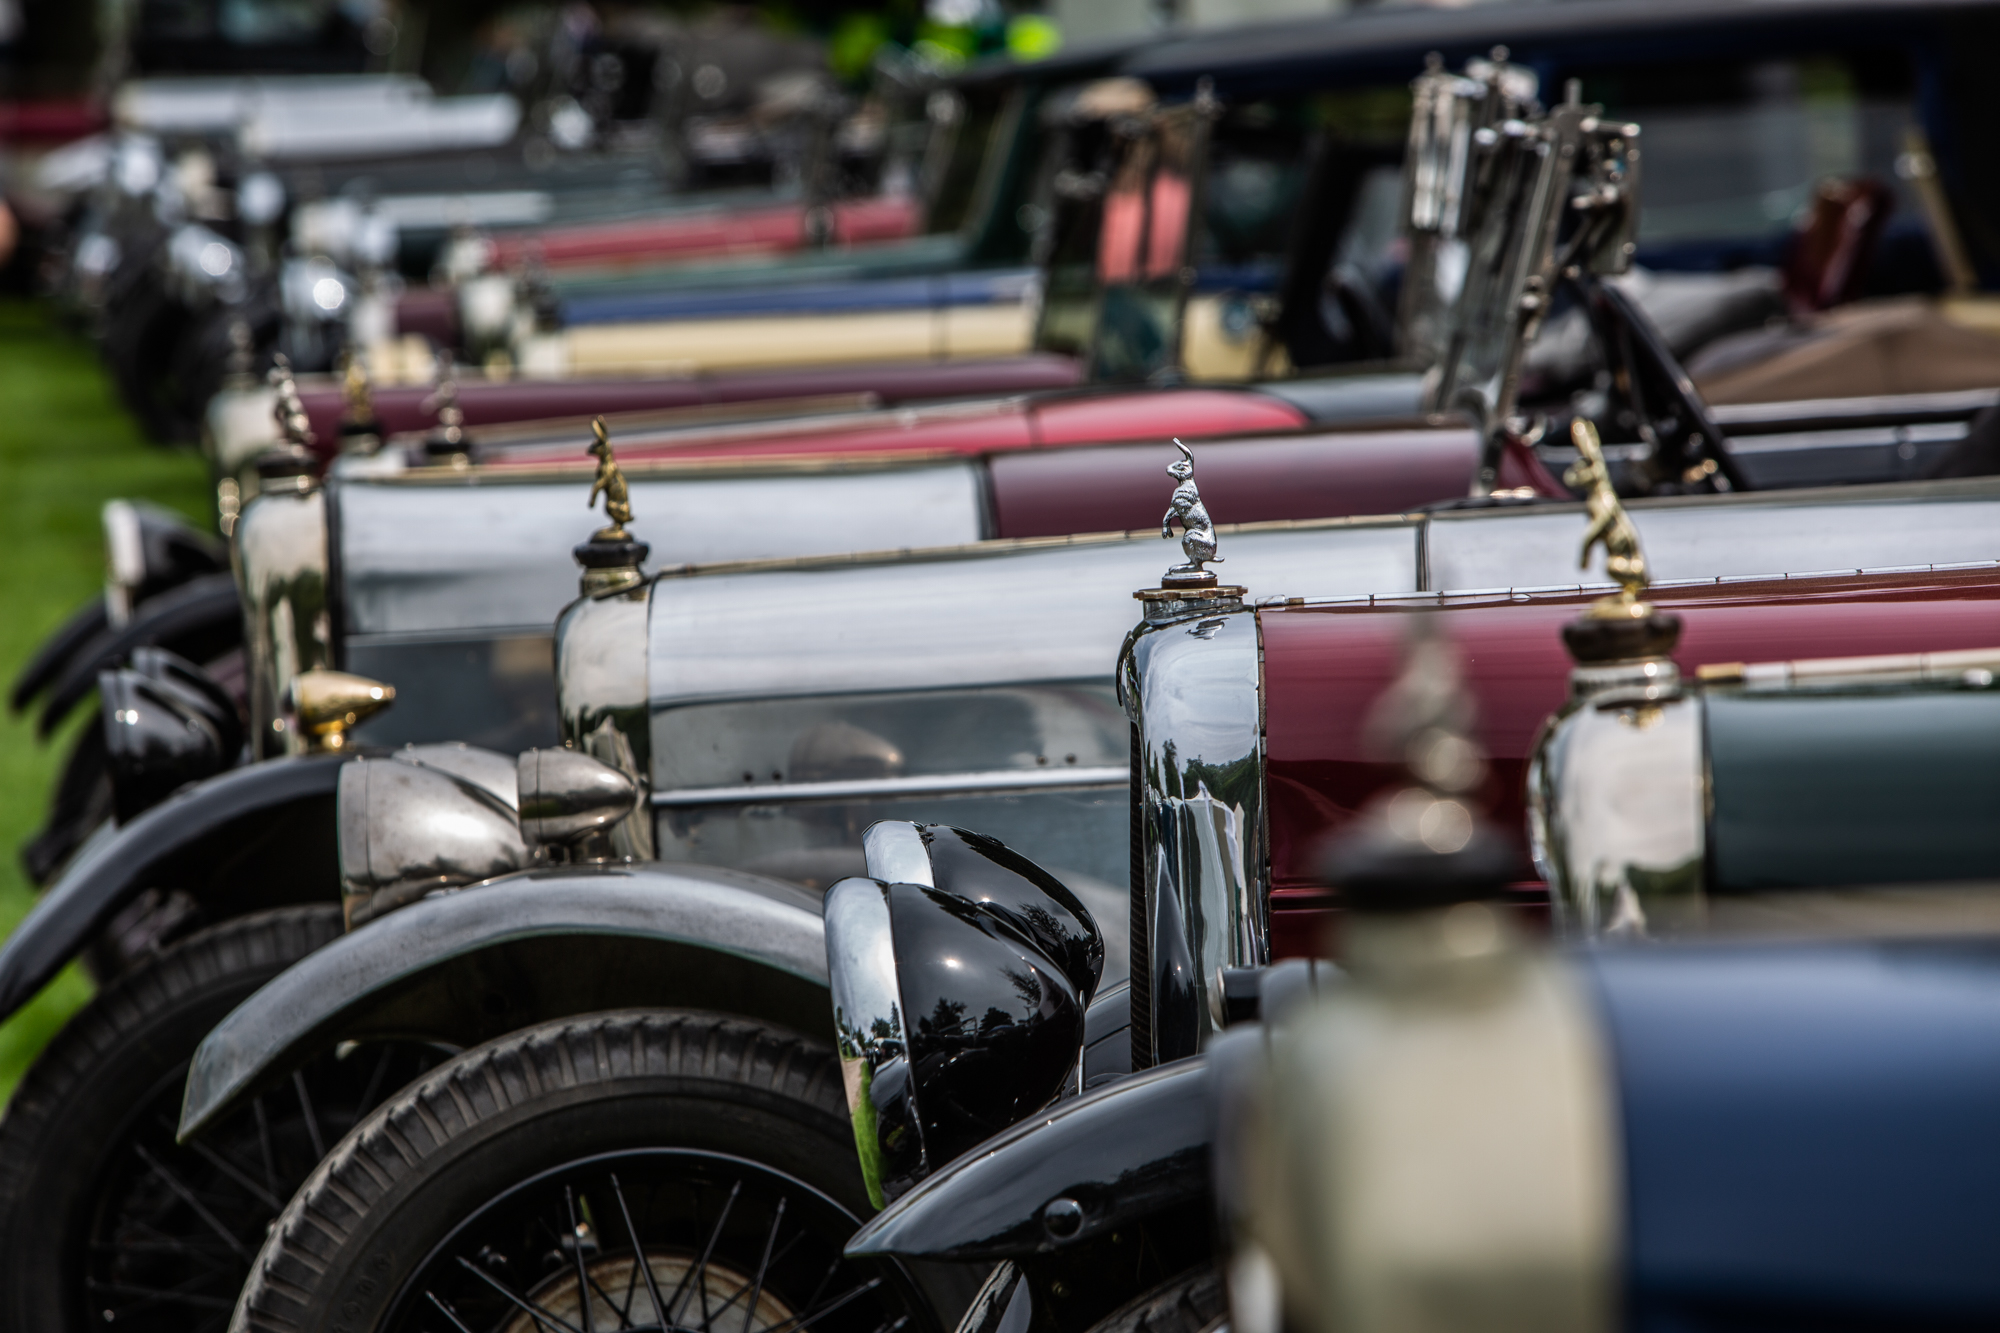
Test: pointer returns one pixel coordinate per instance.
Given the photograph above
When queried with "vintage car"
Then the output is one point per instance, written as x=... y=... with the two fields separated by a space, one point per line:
x=995 y=144
x=814 y=821
x=1682 y=449
x=1763 y=1107
x=1811 y=797
x=832 y=751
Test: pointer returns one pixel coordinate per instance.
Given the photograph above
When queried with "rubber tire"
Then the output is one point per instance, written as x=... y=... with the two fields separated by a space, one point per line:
x=1194 y=1302
x=98 y=1073
x=496 y=1115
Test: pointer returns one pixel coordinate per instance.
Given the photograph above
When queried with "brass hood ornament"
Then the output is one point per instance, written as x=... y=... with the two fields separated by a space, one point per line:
x=289 y=466
x=612 y=556
x=360 y=428
x=1624 y=626
x=327 y=703
x=294 y=426
x=1609 y=525
x=610 y=483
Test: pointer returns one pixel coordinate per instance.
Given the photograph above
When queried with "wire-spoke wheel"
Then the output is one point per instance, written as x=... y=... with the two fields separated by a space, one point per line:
x=107 y=1222
x=638 y=1171
x=730 y=1246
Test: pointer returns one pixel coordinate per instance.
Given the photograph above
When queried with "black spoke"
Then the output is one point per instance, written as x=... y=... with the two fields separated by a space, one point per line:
x=744 y=1290
x=544 y=1252
x=576 y=1250
x=312 y=1120
x=444 y=1308
x=645 y=1264
x=625 y=1310
x=227 y=1168
x=824 y=1278
x=796 y=1322
x=187 y=1196
x=264 y=1144
x=156 y=1296
x=763 y=1267
x=700 y=1270
x=375 y=1081
x=527 y=1307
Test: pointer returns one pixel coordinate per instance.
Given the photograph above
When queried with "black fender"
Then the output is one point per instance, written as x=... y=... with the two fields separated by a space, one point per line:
x=217 y=839
x=199 y=620
x=90 y=621
x=1085 y=1206
x=466 y=966
x=1131 y=1150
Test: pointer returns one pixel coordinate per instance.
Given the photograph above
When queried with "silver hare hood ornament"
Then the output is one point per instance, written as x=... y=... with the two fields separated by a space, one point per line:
x=1197 y=529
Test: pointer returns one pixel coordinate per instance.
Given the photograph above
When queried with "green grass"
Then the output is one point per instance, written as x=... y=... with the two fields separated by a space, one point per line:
x=66 y=446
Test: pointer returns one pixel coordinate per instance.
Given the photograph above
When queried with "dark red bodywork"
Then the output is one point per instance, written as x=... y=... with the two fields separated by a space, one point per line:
x=402 y=408
x=708 y=234
x=1324 y=667
x=50 y=120
x=1317 y=474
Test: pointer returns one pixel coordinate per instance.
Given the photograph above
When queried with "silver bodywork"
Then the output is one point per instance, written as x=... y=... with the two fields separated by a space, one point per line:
x=427 y=818
x=794 y=704
x=1191 y=683
x=448 y=584
x=1173 y=674
x=281 y=568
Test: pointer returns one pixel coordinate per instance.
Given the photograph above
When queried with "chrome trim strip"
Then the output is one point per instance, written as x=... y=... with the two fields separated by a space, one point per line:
x=923 y=785
x=1967 y=401
x=1581 y=589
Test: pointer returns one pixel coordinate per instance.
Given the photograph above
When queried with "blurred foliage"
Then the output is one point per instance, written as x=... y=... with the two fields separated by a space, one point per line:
x=65 y=448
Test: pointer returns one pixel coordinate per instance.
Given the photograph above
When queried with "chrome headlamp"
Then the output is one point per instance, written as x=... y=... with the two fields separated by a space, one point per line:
x=437 y=816
x=426 y=818
x=961 y=972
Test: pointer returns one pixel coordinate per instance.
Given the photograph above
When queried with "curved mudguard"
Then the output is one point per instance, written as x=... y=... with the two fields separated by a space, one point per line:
x=90 y=621
x=1133 y=1150
x=200 y=619
x=117 y=865
x=466 y=966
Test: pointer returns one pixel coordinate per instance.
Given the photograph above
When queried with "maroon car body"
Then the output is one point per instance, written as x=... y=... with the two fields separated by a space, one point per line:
x=1325 y=666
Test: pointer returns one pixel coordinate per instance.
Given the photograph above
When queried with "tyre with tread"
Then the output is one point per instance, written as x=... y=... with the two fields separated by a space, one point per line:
x=1193 y=1302
x=104 y=1219
x=518 y=1184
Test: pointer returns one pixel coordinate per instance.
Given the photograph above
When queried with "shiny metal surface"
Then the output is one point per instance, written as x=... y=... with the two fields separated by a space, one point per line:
x=239 y=427
x=1617 y=802
x=993 y=613
x=1191 y=687
x=1126 y=1153
x=280 y=553
x=600 y=649
x=959 y=995
x=767 y=674
x=406 y=829
x=896 y=853
x=495 y=555
x=566 y=796
x=324 y=704
x=1197 y=528
x=1727 y=536
x=869 y=1026
x=492 y=772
